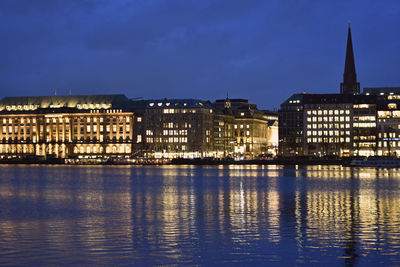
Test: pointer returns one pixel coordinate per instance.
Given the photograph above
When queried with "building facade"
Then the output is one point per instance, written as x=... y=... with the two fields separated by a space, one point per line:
x=64 y=126
x=191 y=128
x=171 y=128
x=91 y=126
x=345 y=124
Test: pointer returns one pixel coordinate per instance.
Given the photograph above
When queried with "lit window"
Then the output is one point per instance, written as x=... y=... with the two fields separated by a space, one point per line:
x=139 y=138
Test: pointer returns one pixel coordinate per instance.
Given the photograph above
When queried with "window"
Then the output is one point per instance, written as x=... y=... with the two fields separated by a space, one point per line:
x=139 y=119
x=139 y=138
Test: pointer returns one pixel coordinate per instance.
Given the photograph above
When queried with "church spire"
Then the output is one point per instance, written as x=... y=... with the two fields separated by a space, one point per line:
x=349 y=84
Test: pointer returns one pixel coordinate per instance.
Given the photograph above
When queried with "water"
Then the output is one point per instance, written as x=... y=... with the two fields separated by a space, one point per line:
x=211 y=215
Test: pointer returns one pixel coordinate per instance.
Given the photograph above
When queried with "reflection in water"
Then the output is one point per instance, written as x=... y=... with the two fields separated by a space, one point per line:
x=199 y=215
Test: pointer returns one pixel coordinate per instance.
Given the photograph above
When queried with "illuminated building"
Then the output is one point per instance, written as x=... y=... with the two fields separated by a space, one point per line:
x=191 y=128
x=291 y=126
x=93 y=126
x=62 y=126
x=171 y=128
x=345 y=124
x=254 y=131
x=387 y=120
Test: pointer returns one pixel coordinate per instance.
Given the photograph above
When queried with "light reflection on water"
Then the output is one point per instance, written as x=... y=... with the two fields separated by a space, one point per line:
x=199 y=215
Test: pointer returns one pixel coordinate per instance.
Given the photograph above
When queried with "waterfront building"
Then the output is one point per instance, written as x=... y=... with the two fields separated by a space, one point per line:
x=290 y=118
x=93 y=126
x=63 y=126
x=387 y=120
x=171 y=128
x=255 y=131
x=191 y=128
x=345 y=124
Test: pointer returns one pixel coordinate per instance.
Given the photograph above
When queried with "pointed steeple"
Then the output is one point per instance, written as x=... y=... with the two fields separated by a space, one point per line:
x=349 y=84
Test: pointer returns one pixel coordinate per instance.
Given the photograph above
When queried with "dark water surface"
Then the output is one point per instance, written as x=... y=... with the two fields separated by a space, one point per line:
x=264 y=215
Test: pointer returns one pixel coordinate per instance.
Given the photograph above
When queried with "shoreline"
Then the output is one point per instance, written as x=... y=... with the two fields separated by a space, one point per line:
x=205 y=161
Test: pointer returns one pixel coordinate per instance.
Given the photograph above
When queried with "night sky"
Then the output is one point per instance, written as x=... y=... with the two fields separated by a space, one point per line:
x=263 y=50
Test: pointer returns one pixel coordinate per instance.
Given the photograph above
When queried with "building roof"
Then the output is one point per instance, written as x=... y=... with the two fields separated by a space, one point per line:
x=178 y=103
x=382 y=90
x=69 y=101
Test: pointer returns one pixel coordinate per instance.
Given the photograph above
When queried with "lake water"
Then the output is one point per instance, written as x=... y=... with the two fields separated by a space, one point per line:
x=199 y=215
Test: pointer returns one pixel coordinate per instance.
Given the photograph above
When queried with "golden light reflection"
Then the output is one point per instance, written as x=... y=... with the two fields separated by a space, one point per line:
x=173 y=207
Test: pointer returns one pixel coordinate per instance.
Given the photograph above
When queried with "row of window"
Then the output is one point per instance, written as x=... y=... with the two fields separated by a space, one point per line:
x=241 y=126
x=171 y=125
x=328 y=140
x=328 y=133
x=329 y=119
x=328 y=126
x=89 y=128
x=66 y=120
x=35 y=139
x=328 y=112
x=166 y=140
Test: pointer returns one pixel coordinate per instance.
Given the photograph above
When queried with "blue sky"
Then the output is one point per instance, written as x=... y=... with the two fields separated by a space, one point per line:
x=261 y=50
